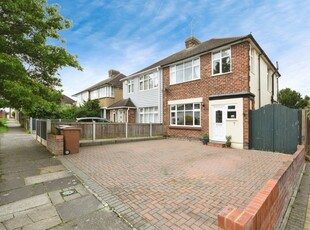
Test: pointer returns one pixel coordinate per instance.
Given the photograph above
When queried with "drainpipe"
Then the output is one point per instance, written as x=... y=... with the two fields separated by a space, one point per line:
x=259 y=93
x=272 y=90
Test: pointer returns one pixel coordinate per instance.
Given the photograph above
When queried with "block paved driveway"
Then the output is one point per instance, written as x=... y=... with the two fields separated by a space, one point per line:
x=178 y=184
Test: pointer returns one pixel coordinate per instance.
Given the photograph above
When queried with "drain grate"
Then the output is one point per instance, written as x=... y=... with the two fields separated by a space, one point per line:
x=68 y=192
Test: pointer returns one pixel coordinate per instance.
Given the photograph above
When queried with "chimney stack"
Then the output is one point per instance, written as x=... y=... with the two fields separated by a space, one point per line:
x=113 y=72
x=191 y=42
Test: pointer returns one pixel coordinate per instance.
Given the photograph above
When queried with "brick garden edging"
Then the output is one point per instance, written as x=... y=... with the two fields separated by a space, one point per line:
x=268 y=207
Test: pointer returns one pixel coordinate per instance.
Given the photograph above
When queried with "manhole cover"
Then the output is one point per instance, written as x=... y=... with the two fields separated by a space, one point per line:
x=68 y=192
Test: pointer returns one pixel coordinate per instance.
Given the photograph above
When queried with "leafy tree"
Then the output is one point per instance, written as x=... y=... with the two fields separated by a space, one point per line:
x=28 y=64
x=90 y=108
x=292 y=99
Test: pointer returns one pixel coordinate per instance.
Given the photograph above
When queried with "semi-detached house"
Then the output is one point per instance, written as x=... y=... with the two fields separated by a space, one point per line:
x=209 y=87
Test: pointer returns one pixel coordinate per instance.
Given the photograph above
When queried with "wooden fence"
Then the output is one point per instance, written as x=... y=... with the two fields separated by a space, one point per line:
x=275 y=128
x=94 y=131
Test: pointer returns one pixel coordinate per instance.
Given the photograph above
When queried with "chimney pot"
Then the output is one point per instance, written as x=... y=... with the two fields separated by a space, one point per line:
x=113 y=72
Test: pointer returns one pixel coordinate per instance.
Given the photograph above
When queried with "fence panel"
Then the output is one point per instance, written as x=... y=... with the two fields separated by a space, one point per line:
x=112 y=130
x=275 y=128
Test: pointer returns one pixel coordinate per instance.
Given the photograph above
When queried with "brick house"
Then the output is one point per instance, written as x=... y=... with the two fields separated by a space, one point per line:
x=210 y=87
x=107 y=91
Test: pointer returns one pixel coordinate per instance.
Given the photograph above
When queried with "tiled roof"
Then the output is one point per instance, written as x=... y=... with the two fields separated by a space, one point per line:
x=123 y=103
x=203 y=47
x=66 y=100
x=114 y=81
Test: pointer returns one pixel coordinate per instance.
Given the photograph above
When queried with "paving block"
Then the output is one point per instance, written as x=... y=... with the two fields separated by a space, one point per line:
x=43 y=213
x=24 y=204
x=78 y=207
x=55 y=197
x=17 y=222
x=43 y=224
x=46 y=177
x=6 y=217
x=2 y=227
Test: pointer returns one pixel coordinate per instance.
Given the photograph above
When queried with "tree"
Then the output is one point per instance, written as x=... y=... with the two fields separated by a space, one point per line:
x=292 y=99
x=28 y=63
x=90 y=108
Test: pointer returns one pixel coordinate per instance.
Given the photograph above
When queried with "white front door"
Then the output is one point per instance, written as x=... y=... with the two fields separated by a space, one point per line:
x=120 y=116
x=218 y=123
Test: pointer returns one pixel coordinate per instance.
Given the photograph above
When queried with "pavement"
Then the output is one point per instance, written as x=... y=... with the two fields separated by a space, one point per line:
x=299 y=217
x=38 y=192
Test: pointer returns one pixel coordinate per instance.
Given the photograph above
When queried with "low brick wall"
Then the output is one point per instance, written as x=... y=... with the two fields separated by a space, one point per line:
x=268 y=207
x=55 y=144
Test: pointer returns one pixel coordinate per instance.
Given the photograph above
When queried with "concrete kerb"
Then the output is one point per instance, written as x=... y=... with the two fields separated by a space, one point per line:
x=292 y=200
x=102 y=194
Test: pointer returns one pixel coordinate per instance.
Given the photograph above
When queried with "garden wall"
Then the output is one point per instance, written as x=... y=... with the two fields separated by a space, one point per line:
x=267 y=208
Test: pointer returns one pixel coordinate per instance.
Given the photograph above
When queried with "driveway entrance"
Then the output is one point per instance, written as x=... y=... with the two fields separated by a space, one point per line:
x=177 y=184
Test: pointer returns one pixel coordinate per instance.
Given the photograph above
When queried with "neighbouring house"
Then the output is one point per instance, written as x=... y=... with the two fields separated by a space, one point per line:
x=123 y=111
x=144 y=89
x=209 y=87
x=107 y=91
x=66 y=101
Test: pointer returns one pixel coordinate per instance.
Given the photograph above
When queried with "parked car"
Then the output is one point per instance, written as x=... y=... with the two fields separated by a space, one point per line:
x=91 y=119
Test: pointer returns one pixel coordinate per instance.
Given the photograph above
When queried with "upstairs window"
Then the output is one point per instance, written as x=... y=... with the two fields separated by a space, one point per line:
x=106 y=91
x=94 y=94
x=148 y=81
x=186 y=71
x=221 y=62
x=130 y=86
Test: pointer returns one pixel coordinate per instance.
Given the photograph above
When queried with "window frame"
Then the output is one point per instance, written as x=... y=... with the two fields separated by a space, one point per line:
x=173 y=69
x=153 y=110
x=232 y=110
x=221 y=62
x=146 y=79
x=130 y=86
x=174 y=109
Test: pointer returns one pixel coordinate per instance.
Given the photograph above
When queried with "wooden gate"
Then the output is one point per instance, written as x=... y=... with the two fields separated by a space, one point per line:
x=275 y=128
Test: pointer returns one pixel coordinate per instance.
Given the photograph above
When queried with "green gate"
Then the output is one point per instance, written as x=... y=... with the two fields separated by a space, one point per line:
x=275 y=128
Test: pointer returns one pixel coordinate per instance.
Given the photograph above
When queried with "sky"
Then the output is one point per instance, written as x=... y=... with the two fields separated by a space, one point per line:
x=129 y=35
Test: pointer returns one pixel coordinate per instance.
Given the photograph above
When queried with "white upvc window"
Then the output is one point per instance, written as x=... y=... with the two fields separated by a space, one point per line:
x=148 y=115
x=106 y=91
x=148 y=81
x=221 y=62
x=231 y=112
x=185 y=115
x=130 y=86
x=185 y=71
x=94 y=94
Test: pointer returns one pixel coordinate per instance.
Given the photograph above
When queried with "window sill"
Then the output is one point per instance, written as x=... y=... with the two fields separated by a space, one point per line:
x=184 y=127
x=220 y=74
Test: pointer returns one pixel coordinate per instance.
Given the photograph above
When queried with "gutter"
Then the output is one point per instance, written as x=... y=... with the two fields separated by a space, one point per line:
x=142 y=72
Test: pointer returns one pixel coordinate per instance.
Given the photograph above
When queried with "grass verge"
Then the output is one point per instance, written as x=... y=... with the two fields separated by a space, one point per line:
x=3 y=127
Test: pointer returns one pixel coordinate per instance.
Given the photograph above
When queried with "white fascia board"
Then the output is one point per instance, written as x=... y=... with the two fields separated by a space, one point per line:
x=186 y=101
x=139 y=73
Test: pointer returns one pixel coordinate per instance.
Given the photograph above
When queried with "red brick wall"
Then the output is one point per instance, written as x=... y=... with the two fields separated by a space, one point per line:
x=132 y=116
x=237 y=81
x=268 y=207
x=55 y=144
